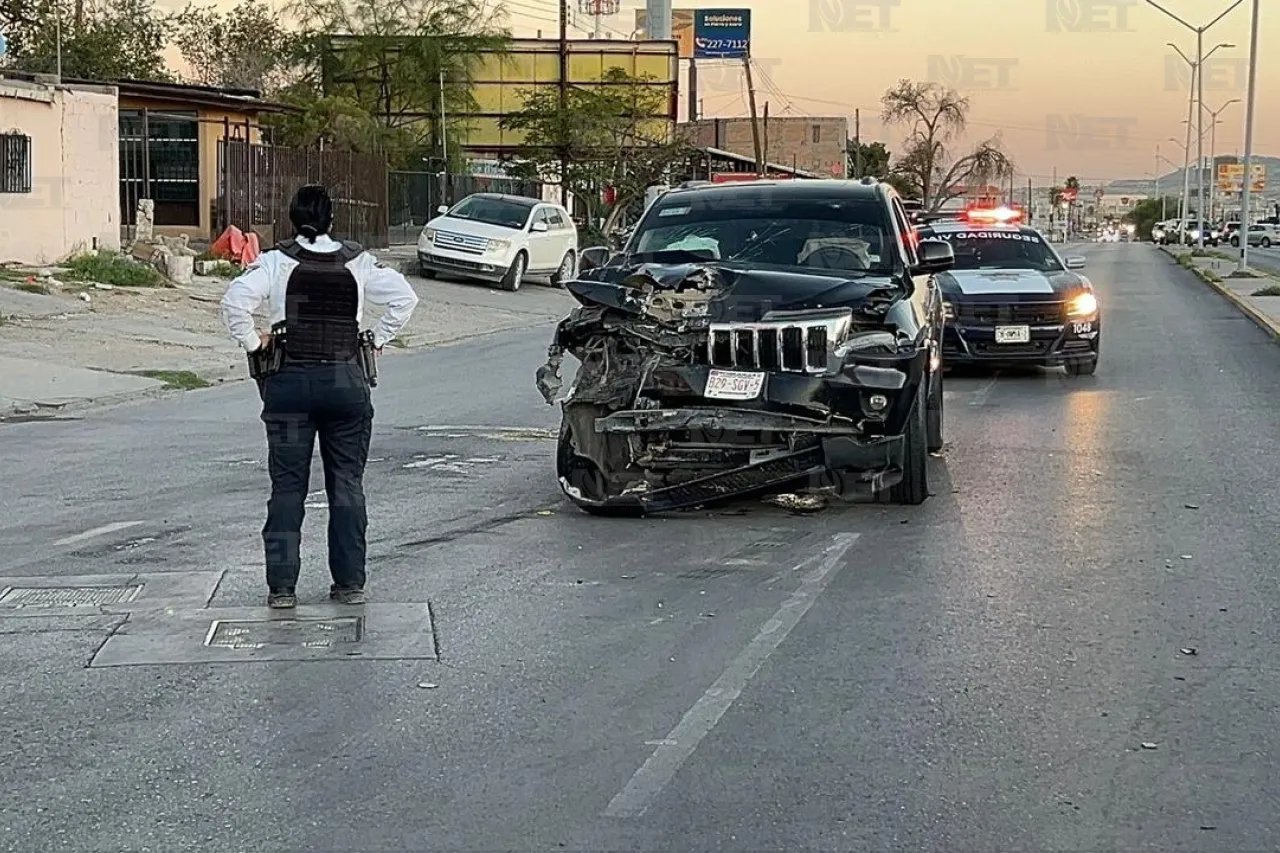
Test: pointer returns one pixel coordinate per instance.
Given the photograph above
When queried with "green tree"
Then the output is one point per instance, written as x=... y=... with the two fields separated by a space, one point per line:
x=600 y=139
x=395 y=59
x=100 y=39
x=247 y=47
x=1146 y=213
x=867 y=159
x=928 y=166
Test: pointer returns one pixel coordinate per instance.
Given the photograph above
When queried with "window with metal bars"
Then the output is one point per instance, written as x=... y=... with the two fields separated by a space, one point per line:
x=15 y=163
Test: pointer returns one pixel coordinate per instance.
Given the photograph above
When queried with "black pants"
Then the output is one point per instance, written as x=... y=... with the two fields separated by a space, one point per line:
x=299 y=403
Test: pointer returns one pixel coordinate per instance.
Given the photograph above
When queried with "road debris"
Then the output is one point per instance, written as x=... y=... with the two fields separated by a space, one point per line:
x=1192 y=506
x=1149 y=745
x=1188 y=651
x=427 y=685
x=797 y=503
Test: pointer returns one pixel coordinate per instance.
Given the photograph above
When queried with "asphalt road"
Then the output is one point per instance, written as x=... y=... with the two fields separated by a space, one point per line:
x=1266 y=259
x=978 y=673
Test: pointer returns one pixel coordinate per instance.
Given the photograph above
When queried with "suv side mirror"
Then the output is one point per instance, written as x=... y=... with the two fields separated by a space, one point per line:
x=935 y=256
x=596 y=256
x=1075 y=263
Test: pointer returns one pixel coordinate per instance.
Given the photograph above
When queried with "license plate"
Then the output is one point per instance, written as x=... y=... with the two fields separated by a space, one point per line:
x=1013 y=334
x=733 y=385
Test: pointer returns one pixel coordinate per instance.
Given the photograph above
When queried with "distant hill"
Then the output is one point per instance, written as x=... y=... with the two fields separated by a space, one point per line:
x=1171 y=183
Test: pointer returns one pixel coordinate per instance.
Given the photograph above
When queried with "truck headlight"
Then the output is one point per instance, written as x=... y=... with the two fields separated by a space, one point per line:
x=1084 y=305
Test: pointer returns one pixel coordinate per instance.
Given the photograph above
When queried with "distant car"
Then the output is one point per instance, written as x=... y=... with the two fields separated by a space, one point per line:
x=501 y=239
x=1010 y=298
x=1228 y=232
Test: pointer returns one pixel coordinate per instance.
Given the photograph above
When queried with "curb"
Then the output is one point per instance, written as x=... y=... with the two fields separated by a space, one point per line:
x=1261 y=320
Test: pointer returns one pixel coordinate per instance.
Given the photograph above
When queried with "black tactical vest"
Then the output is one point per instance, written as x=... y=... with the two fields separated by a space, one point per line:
x=321 y=301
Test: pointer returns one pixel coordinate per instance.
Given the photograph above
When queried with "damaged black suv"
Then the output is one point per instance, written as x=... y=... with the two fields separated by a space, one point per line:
x=753 y=338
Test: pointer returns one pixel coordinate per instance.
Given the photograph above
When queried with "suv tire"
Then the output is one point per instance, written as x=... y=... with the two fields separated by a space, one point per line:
x=914 y=488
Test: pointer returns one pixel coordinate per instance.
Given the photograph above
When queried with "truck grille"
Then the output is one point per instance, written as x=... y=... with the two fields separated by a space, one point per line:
x=793 y=342
x=1017 y=313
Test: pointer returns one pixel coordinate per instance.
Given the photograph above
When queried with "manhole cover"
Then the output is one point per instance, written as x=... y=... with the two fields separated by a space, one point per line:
x=307 y=633
x=68 y=596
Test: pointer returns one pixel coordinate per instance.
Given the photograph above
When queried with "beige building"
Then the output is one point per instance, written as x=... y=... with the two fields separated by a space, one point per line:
x=59 y=170
x=812 y=144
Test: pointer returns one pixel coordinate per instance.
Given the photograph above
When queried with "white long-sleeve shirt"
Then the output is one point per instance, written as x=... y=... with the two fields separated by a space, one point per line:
x=267 y=279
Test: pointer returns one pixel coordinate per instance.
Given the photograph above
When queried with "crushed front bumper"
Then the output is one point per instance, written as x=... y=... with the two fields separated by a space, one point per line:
x=1049 y=345
x=799 y=430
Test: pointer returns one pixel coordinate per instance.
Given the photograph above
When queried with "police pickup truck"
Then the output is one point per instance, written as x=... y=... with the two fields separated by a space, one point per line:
x=1010 y=298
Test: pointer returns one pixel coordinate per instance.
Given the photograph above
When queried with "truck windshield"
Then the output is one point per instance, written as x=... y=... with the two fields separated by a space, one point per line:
x=821 y=236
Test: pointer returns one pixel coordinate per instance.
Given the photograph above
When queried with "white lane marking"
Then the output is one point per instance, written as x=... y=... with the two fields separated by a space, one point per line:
x=979 y=397
x=98 y=531
x=676 y=747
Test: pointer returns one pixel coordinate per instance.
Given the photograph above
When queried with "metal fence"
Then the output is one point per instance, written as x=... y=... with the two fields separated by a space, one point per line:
x=412 y=197
x=256 y=183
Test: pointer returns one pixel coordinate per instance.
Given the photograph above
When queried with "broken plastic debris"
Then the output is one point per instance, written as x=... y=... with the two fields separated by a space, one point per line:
x=427 y=685
x=1187 y=651
x=1186 y=556
x=1192 y=506
x=797 y=503
x=1149 y=745
x=545 y=512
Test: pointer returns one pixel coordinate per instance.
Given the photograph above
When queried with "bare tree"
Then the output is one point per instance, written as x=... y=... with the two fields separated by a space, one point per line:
x=937 y=117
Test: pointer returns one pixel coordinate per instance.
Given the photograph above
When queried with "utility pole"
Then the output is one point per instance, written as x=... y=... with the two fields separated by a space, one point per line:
x=857 y=143
x=1245 y=219
x=693 y=89
x=755 y=121
x=766 y=137
x=564 y=96
x=1198 y=84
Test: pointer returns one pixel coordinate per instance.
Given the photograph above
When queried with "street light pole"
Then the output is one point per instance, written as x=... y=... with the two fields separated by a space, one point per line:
x=1213 y=150
x=1198 y=82
x=1248 y=139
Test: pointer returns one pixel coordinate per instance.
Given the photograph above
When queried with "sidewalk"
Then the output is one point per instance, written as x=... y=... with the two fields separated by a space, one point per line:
x=69 y=345
x=1256 y=294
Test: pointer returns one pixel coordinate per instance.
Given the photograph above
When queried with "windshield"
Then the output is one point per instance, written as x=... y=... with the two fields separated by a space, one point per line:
x=493 y=211
x=824 y=236
x=986 y=250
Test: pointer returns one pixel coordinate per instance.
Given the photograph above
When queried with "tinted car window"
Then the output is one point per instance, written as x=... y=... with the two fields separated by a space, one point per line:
x=834 y=236
x=977 y=250
x=493 y=211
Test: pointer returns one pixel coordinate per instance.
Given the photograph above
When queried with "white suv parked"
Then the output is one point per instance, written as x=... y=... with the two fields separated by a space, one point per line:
x=501 y=239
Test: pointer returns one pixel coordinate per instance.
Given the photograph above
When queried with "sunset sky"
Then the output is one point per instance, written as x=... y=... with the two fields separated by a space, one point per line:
x=1094 y=101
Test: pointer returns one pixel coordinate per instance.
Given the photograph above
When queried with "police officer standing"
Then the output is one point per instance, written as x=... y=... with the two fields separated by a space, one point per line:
x=315 y=288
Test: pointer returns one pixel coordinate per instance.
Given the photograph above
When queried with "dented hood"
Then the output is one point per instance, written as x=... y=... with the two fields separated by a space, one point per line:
x=737 y=293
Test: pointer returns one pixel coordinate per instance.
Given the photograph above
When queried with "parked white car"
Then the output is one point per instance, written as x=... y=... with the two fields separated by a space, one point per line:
x=502 y=239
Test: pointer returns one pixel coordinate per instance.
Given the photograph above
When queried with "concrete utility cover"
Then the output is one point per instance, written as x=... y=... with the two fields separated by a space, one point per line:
x=74 y=595
x=308 y=633
x=248 y=634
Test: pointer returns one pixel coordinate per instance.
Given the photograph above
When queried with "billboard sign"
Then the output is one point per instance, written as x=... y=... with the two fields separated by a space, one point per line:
x=1231 y=178
x=681 y=29
x=721 y=33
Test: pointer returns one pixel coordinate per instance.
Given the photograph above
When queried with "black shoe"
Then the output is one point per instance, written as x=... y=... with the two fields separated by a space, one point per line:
x=346 y=594
x=282 y=598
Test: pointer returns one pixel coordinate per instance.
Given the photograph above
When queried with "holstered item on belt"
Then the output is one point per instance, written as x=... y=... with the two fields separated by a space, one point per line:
x=368 y=356
x=268 y=360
